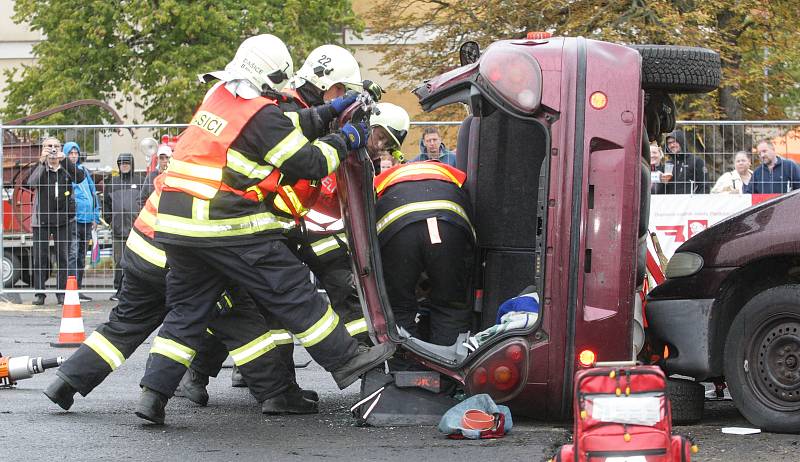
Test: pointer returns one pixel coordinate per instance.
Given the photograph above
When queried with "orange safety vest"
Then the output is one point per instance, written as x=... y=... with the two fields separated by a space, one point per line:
x=418 y=171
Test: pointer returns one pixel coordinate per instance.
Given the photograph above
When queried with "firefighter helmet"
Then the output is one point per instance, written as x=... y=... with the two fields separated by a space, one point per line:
x=328 y=65
x=261 y=60
x=393 y=118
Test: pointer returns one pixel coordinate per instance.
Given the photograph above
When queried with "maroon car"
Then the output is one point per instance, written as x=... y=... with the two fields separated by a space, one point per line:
x=554 y=153
x=730 y=309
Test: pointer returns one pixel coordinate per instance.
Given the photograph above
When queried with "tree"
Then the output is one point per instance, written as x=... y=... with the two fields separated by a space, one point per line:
x=750 y=35
x=150 y=52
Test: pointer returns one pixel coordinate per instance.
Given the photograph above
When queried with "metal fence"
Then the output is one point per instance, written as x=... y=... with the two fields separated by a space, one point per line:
x=39 y=244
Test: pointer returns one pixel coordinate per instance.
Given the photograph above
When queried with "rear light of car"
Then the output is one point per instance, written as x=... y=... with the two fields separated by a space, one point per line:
x=515 y=75
x=501 y=372
x=683 y=264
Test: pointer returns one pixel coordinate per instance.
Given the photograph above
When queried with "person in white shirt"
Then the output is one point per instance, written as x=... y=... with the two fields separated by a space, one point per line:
x=732 y=182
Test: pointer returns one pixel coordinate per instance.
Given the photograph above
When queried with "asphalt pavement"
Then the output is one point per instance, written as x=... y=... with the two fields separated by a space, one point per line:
x=102 y=426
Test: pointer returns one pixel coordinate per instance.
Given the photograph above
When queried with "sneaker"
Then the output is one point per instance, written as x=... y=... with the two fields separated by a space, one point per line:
x=60 y=299
x=84 y=298
x=38 y=300
x=365 y=359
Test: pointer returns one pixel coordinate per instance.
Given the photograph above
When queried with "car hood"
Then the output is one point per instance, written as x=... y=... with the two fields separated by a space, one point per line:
x=766 y=229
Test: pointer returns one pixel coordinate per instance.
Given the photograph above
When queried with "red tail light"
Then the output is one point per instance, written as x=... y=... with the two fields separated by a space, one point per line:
x=514 y=74
x=501 y=372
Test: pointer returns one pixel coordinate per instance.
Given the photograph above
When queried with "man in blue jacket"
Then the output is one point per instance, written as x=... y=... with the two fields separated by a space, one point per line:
x=774 y=175
x=87 y=213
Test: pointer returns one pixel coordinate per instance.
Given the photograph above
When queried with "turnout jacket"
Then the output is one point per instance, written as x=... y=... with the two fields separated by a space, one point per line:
x=409 y=193
x=216 y=189
x=143 y=255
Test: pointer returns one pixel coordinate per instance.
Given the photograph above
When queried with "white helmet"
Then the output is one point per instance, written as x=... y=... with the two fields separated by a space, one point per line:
x=393 y=118
x=261 y=60
x=328 y=65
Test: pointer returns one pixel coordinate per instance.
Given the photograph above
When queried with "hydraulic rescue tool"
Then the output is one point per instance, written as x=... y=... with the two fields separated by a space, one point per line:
x=23 y=367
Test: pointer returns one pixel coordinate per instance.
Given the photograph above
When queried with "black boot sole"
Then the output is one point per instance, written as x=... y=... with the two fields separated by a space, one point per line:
x=155 y=420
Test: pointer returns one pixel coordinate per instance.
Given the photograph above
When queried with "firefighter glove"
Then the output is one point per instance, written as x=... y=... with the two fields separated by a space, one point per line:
x=343 y=102
x=373 y=89
x=355 y=135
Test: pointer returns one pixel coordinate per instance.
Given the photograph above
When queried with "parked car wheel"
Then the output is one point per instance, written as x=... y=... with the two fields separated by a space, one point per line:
x=11 y=273
x=762 y=359
x=687 y=398
x=676 y=69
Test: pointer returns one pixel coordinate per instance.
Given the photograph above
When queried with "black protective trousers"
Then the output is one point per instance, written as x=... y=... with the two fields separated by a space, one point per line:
x=269 y=272
x=447 y=264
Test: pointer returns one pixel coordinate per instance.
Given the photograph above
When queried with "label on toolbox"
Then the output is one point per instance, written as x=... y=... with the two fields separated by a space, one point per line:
x=633 y=410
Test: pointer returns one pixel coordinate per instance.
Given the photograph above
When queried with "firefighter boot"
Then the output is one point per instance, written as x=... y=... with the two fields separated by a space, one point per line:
x=151 y=406
x=310 y=395
x=193 y=387
x=237 y=381
x=61 y=393
x=290 y=401
x=365 y=359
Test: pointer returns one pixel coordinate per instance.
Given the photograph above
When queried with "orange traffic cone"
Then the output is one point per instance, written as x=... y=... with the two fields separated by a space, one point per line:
x=71 y=334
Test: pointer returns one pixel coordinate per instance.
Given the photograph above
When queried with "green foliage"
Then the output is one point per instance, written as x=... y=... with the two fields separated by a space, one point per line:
x=149 y=52
x=741 y=30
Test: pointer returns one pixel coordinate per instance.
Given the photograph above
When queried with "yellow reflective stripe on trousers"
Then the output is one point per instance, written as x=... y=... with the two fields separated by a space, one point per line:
x=330 y=153
x=293 y=142
x=320 y=330
x=253 y=349
x=200 y=209
x=146 y=250
x=224 y=227
x=356 y=327
x=399 y=212
x=203 y=172
x=192 y=187
x=237 y=162
x=172 y=350
x=105 y=349
x=324 y=246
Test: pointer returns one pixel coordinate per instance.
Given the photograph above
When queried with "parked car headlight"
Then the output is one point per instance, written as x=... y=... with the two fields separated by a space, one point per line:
x=684 y=264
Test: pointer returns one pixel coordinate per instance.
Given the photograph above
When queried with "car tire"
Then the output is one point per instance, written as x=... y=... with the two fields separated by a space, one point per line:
x=687 y=398
x=677 y=69
x=11 y=272
x=762 y=356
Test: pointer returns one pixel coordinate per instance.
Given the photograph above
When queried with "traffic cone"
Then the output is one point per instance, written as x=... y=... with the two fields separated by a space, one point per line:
x=71 y=334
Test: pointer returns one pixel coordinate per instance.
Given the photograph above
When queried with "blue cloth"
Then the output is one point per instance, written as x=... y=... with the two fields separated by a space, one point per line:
x=784 y=177
x=87 y=207
x=451 y=420
x=527 y=302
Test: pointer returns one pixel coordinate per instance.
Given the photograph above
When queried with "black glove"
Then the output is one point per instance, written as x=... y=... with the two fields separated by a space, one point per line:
x=355 y=135
x=373 y=89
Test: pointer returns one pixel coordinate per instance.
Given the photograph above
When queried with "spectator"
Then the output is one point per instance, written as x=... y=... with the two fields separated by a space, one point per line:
x=54 y=214
x=87 y=213
x=431 y=147
x=657 y=170
x=734 y=181
x=774 y=175
x=120 y=208
x=690 y=173
x=164 y=156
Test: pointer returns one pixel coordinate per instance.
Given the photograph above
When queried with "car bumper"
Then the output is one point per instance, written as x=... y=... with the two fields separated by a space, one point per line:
x=685 y=325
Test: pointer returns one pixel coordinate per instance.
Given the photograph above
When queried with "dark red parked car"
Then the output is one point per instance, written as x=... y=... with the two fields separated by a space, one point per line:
x=554 y=153
x=730 y=308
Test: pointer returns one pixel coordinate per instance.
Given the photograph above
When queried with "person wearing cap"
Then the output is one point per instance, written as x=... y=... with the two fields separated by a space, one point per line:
x=120 y=208
x=222 y=215
x=87 y=214
x=424 y=225
x=164 y=154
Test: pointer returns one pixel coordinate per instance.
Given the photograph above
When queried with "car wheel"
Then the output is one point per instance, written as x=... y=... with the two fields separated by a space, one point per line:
x=11 y=273
x=676 y=69
x=762 y=359
x=687 y=398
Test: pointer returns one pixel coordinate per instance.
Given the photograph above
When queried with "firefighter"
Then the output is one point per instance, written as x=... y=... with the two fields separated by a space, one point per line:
x=328 y=73
x=220 y=216
x=423 y=224
x=141 y=310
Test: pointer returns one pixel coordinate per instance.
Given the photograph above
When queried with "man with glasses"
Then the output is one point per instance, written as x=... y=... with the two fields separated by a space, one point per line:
x=53 y=214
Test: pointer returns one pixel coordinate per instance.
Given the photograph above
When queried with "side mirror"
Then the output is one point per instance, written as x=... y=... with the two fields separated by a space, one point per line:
x=469 y=52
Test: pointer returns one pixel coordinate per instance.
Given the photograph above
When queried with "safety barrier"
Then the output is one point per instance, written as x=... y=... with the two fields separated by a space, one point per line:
x=32 y=251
